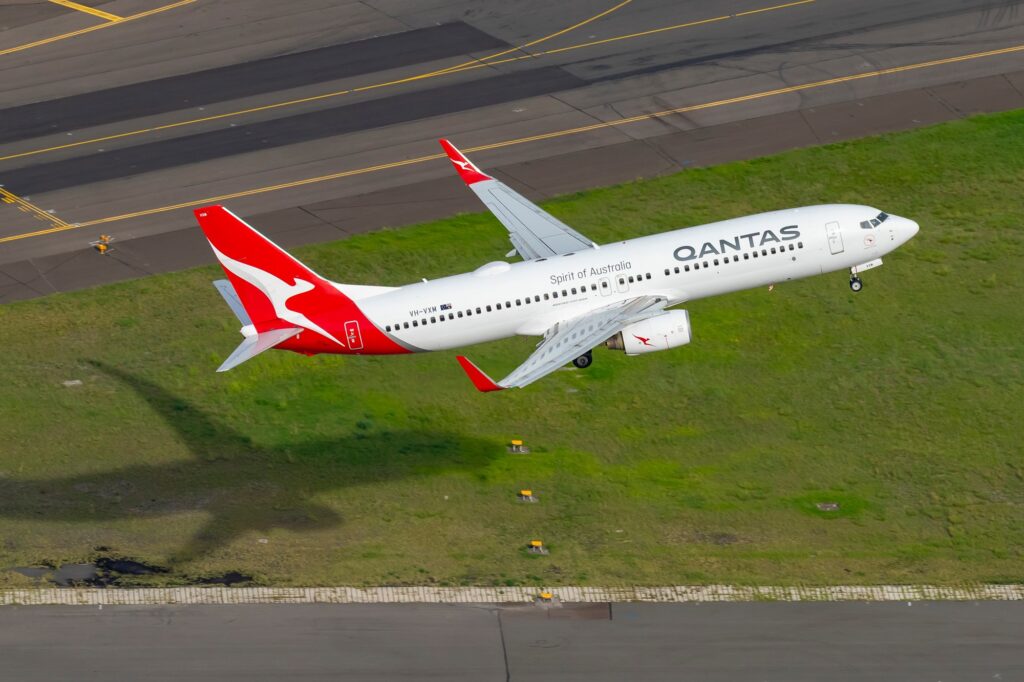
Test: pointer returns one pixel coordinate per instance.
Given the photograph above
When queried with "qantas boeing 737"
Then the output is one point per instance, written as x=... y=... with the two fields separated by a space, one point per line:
x=570 y=291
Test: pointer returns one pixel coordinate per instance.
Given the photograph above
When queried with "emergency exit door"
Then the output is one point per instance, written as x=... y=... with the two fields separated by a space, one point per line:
x=835 y=238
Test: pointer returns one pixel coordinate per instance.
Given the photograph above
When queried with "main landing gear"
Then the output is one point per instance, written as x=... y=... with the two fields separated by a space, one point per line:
x=855 y=283
x=584 y=360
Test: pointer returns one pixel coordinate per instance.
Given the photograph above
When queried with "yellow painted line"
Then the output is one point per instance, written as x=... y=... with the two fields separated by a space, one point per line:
x=468 y=66
x=88 y=10
x=522 y=140
x=9 y=197
x=538 y=41
x=98 y=27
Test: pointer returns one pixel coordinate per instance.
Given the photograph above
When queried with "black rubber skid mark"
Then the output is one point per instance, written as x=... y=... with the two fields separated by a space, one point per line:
x=314 y=125
x=236 y=81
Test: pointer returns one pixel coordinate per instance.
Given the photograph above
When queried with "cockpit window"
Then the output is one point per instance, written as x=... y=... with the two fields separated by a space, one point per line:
x=874 y=222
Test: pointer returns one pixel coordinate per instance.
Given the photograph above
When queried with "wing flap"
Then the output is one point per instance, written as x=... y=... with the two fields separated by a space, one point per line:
x=569 y=339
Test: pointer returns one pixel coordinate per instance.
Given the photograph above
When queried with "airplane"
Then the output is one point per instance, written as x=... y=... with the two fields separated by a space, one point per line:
x=574 y=293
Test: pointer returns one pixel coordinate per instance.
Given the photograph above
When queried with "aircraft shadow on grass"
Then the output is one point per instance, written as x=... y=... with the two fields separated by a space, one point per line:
x=240 y=486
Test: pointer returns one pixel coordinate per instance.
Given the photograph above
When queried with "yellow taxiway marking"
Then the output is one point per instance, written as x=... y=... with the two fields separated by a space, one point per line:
x=522 y=140
x=88 y=10
x=8 y=197
x=90 y=29
x=467 y=66
x=533 y=42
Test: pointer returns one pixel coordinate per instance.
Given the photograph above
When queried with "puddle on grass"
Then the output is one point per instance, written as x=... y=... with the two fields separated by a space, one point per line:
x=109 y=572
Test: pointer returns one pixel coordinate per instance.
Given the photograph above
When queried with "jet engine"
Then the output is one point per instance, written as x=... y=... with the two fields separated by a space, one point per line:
x=668 y=330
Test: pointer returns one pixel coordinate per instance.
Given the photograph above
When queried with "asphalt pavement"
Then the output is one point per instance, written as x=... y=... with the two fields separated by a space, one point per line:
x=787 y=642
x=319 y=120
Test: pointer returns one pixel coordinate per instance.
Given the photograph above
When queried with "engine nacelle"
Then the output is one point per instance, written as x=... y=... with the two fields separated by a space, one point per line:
x=668 y=330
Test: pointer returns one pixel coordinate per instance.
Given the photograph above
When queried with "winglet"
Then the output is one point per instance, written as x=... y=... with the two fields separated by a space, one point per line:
x=483 y=383
x=467 y=170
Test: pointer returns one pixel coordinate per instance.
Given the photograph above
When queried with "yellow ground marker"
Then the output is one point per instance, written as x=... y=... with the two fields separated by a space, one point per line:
x=522 y=140
x=467 y=66
x=90 y=29
x=9 y=197
x=88 y=10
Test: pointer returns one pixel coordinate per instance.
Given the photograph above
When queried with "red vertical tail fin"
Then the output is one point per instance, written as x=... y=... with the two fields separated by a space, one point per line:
x=275 y=289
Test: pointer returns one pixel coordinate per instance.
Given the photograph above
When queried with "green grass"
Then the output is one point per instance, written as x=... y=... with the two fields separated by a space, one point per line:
x=903 y=404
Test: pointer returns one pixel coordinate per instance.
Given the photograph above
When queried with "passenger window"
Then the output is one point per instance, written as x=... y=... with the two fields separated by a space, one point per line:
x=666 y=272
x=508 y=304
x=677 y=269
x=687 y=268
x=469 y=313
x=519 y=301
x=564 y=293
x=746 y=256
x=536 y=299
x=773 y=249
x=406 y=325
x=648 y=276
x=460 y=313
x=554 y=294
x=631 y=279
x=716 y=261
x=415 y=323
x=433 y=320
x=696 y=266
x=622 y=280
x=604 y=285
x=526 y=300
x=764 y=252
x=799 y=245
x=498 y=305
x=791 y=247
x=451 y=316
x=488 y=308
x=387 y=328
x=593 y=287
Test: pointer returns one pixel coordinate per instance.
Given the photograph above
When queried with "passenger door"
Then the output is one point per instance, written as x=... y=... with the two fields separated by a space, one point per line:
x=835 y=238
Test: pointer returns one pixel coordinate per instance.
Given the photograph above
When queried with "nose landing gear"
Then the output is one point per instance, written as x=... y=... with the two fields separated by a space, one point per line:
x=585 y=360
x=855 y=283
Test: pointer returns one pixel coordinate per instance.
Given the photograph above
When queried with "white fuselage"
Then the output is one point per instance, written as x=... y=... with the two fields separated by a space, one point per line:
x=499 y=300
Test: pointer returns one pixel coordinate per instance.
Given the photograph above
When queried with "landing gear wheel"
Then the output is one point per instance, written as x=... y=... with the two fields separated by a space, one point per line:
x=855 y=284
x=584 y=360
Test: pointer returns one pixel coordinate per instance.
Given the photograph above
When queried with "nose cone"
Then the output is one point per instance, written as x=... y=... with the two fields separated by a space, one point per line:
x=905 y=229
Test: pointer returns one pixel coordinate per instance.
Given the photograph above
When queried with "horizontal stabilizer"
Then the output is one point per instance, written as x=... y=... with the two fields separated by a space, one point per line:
x=255 y=344
x=231 y=298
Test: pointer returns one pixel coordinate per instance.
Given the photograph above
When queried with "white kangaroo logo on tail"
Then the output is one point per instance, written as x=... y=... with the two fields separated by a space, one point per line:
x=277 y=291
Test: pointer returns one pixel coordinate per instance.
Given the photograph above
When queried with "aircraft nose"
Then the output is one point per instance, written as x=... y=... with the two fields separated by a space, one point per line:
x=911 y=227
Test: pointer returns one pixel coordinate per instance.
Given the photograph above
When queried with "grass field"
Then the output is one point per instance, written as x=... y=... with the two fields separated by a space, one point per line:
x=903 y=404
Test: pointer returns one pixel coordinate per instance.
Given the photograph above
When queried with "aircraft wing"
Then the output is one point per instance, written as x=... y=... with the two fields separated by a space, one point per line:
x=534 y=232
x=568 y=340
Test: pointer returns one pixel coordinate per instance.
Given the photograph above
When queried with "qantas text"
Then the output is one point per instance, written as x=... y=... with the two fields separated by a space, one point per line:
x=738 y=243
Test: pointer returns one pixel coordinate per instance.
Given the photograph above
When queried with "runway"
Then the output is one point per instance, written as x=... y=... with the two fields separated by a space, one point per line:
x=319 y=120
x=788 y=642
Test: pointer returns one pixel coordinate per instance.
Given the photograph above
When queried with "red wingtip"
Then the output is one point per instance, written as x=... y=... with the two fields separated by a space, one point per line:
x=483 y=383
x=466 y=169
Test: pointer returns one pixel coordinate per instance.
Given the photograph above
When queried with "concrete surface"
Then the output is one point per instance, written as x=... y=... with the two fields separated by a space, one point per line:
x=924 y=641
x=138 y=186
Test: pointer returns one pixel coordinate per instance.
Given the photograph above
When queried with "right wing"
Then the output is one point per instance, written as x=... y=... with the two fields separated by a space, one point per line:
x=534 y=232
x=568 y=340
